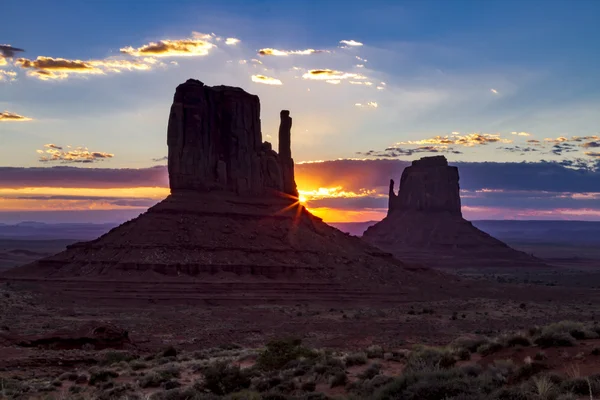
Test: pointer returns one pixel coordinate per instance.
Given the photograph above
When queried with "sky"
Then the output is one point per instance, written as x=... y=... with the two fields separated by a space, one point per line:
x=508 y=91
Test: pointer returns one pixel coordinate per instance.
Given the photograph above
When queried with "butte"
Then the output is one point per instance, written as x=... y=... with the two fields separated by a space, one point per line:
x=232 y=231
x=425 y=225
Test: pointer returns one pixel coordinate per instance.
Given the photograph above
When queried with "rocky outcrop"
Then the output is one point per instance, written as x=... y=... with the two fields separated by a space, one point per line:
x=424 y=223
x=215 y=143
x=231 y=231
x=428 y=185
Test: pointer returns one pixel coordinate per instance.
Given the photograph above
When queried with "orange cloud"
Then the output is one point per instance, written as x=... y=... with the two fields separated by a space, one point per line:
x=76 y=155
x=266 y=80
x=337 y=215
x=171 y=48
x=328 y=74
x=3 y=61
x=593 y=154
x=47 y=68
x=12 y=117
x=275 y=52
x=467 y=140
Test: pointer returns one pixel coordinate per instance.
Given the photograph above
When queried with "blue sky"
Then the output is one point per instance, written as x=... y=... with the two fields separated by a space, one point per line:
x=451 y=77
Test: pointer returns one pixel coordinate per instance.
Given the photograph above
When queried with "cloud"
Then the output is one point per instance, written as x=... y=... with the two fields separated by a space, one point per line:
x=171 y=48
x=47 y=68
x=165 y=158
x=327 y=74
x=590 y=145
x=12 y=117
x=467 y=140
x=54 y=153
x=593 y=154
x=266 y=80
x=352 y=43
x=7 y=75
x=494 y=91
x=8 y=51
x=371 y=104
x=560 y=148
x=74 y=177
x=397 y=152
x=521 y=133
x=3 y=61
x=275 y=52
x=519 y=149
x=231 y=41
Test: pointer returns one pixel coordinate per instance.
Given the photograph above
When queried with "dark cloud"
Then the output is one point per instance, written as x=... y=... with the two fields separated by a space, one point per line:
x=397 y=152
x=590 y=145
x=593 y=154
x=165 y=158
x=8 y=51
x=73 y=177
x=519 y=149
x=354 y=175
x=171 y=48
x=116 y=201
x=560 y=148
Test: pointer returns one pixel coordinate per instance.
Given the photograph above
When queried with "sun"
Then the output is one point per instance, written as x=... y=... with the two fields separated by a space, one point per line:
x=302 y=199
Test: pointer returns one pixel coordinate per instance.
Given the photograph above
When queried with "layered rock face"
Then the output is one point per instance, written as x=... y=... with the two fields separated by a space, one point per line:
x=232 y=230
x=425 y=224
x=428 y=185
x=215 y=143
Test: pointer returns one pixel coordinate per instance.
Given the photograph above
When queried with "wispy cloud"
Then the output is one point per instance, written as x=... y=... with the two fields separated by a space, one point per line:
x=276 y=52
x=352 y=43
x=171 y=48
x=266 y=80
x=328 y=74
x=7 y=75
x=231 y=41
x=371 y=104
x=467 y=140
x=521 y=133
x=6 y=116
x=494 y=91
x=47 y=68
x=54 y=153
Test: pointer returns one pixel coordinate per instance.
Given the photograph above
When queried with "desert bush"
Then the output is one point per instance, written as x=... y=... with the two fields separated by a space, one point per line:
x=554 y=339
x=469 y=343
x=489 y=348
x=137 y=365
x=528 y=370
x=374 y=351
x=169 y=352
x=221 y=378
x=355 y=359
x=183 y=394
x=120 y=391
x=517 y=340
x=567 y=396
x=338 y=379
x=102 y=375
x=581 y=386
x=435 y=385
x=151 y=379
x=542 y=388
x=427 y=358
x=596 y=351
x=280 y=352
x=114 y=357
x=576 y=330
x=370 y=372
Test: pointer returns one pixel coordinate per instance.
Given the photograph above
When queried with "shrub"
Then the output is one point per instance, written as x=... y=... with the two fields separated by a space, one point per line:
x=372 y=371
x=70 y=376
x=489 y=348
x=427 y=358
x=138 y=365
x=375 y=351
x=581 y=386
x=308 y=386
x=554 y=339
x=596 y=351
x=114 y=357
x=517 y=340
x=221 y=378
x=528 y=370
x=543 y=388
x=356 y=359
x=280 y=352
x=576 y=330
x=103 y=375
x=152 y=379
x=469 y=343
x=169 y=352
x=338 y=379
x=442 y=384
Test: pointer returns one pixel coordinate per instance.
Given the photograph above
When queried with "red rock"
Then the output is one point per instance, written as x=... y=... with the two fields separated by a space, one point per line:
x=425 y=224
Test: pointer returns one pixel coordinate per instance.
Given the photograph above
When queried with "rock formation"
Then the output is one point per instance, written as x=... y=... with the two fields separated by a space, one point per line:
x=215 y=143
x=232 y=229
x=424 y=223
